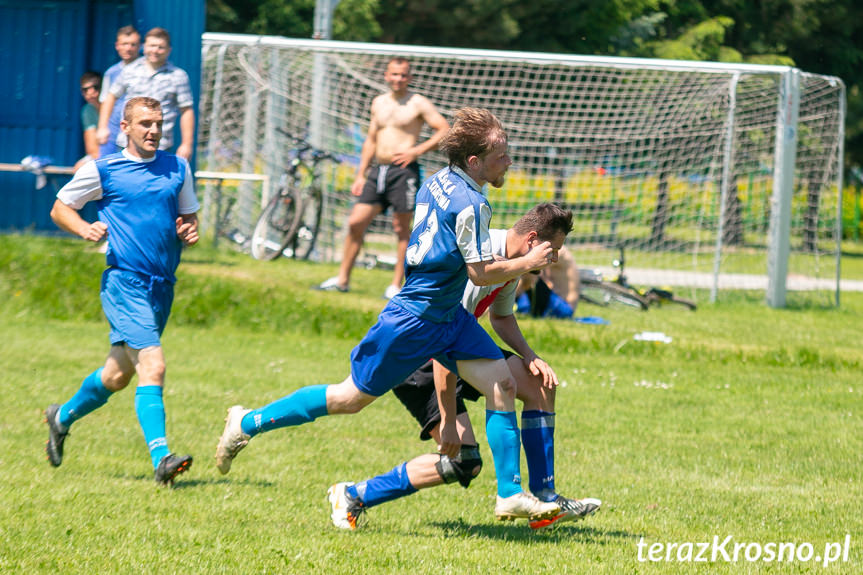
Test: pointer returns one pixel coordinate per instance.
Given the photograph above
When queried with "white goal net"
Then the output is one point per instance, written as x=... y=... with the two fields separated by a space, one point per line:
x=683 y=165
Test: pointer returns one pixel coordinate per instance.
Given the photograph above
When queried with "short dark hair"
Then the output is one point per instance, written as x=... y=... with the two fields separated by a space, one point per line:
x=144 y=102
x=91 y=76
x=474 y=132
x=398 y=60
x=159 y=33
x=547 y=220
x=128 y=31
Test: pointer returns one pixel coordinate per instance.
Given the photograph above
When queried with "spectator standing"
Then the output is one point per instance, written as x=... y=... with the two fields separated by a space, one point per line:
x=388 y=173
x=154 y=76
x=128 y=47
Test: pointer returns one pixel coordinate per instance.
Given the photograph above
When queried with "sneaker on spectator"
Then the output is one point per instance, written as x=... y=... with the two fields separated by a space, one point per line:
x=331 y=284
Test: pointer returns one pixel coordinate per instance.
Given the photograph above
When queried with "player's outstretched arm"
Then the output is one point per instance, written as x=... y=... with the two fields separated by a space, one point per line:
x=499 y=271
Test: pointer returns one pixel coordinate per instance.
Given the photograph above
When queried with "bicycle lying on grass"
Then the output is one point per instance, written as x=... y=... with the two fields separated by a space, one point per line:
x=290 y=222
x=597 y=290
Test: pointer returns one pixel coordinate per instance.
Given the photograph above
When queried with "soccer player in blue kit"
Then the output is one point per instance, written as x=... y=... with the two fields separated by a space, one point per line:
x=536 y=388
x=450 y=243
x=148 y=209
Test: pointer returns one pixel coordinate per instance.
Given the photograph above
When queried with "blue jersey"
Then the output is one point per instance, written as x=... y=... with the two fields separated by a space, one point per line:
x=139 y=204
x=450 y=230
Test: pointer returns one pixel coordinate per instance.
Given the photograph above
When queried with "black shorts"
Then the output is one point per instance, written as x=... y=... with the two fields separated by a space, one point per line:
x=417 y=394
x=392 y=185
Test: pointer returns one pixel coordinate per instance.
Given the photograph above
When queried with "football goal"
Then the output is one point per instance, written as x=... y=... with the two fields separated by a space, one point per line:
x=711 y=176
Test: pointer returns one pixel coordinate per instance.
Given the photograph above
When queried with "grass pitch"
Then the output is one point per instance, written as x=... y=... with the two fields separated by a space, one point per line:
x=748 y=424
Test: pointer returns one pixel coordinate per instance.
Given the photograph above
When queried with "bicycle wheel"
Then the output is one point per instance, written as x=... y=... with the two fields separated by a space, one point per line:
x=663 y=296
x=308 y=224
x=274 y=227
x=606 y=293
x=683 y=301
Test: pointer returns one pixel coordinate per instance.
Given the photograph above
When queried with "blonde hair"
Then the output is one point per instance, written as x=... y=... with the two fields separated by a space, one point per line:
x=474 y=132
x=142 y=101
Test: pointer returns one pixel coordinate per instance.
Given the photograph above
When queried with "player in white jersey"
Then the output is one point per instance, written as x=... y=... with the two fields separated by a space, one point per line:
x=536 y=389
x=449 y=243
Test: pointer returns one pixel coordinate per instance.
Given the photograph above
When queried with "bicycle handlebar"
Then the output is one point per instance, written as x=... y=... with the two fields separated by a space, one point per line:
x=304 y=146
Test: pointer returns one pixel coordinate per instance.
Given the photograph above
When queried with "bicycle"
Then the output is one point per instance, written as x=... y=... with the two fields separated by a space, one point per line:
x=289 y=223
x=597 y=290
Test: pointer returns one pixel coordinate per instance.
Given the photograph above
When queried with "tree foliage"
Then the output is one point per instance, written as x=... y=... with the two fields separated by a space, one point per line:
x=821 y=36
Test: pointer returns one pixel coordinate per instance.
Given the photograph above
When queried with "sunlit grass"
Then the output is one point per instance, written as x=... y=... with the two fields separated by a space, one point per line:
x=747 y=424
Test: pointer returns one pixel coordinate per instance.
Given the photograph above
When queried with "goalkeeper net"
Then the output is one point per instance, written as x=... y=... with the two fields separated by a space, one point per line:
x=676 y=162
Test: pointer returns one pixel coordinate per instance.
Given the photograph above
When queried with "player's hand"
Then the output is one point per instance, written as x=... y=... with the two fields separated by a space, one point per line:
x=450 y=444
x=358 y=185
x=102 y=135
x=95 y=232
x=539 y=368
x=404 y=159
x=540 y=256
x=187 y=232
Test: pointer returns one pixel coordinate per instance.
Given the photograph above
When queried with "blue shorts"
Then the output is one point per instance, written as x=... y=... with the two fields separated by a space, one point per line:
x=137 y=307
x=400 y=342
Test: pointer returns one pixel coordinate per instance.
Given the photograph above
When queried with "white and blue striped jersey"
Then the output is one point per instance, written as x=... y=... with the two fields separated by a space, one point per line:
x=450 y=230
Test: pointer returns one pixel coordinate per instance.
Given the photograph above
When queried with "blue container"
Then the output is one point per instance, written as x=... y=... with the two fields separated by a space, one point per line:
x=45 y=46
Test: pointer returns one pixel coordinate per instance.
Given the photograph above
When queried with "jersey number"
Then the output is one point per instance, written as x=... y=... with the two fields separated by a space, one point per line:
x=416 y=252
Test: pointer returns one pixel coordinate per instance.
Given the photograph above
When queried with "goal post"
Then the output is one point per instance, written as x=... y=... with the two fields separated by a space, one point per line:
x=695 y=168
x=779 y=244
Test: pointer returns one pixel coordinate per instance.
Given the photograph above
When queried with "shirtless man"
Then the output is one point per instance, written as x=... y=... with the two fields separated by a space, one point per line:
x=388 y=174
x=552 y=293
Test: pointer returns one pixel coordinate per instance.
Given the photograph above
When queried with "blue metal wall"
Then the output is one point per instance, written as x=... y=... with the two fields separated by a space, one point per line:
x=45 y=45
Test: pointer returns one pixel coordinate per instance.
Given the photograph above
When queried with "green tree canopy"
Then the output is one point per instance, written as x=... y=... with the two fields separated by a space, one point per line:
x=821 y=36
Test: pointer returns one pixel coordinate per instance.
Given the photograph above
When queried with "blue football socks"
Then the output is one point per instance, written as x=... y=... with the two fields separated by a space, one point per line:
x=501 y=429
x=537 y=435
x=385 y=487
x=151 y=415
x=89 y=397
x=304 y=405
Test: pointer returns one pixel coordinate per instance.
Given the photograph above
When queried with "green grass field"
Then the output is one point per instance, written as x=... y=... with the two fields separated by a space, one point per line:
x=747 y=425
